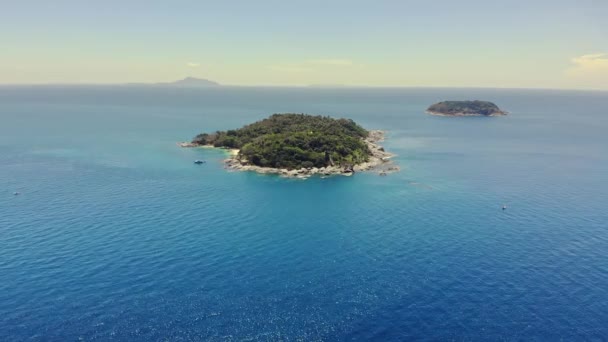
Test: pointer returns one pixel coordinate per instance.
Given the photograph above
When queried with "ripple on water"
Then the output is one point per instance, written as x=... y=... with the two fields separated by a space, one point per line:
x=162 y=250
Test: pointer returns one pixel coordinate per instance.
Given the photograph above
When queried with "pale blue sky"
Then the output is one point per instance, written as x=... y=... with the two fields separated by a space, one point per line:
x=550 y=44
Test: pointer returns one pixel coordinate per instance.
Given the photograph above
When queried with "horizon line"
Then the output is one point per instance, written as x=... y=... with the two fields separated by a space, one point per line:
x=308 y=86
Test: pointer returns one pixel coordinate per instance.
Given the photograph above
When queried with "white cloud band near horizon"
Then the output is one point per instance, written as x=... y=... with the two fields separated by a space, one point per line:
x=590 y=63
x=589 y=71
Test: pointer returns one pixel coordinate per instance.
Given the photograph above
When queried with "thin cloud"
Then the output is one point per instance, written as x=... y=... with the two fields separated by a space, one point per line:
x=589 y=71
x=193 y=65
x=592 y=63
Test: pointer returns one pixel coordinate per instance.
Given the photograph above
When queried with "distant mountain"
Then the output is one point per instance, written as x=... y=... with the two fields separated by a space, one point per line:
x=188 y=82
x=193 y=82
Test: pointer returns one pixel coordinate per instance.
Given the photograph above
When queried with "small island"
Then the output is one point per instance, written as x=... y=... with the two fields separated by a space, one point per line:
x=193 y=82
x=188 y=82
x=301 y=145
x=465 y=108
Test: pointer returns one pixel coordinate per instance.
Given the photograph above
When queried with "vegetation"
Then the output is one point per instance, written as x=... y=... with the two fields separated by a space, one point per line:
x=466 y=108
x=294 y=141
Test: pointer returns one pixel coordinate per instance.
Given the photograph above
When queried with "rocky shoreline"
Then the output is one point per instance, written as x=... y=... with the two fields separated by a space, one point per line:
x=502 y=113
x=380 y=162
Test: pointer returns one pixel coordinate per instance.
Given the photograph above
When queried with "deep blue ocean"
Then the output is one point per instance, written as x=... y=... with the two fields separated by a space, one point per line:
x=117 y=236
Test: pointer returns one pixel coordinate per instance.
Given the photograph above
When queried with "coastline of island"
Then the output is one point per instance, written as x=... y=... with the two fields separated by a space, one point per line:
x=462 y=114
x=377 y=159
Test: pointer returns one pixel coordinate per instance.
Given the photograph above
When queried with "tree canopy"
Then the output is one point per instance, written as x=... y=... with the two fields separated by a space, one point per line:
x=465 y=107
x=294 y=141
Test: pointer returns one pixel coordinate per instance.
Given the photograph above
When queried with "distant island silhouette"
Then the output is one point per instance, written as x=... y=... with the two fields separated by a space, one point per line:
x=193 y=82
x=465 y=108
x=188 y=82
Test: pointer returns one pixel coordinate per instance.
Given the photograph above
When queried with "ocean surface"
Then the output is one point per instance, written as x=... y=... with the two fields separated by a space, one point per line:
x=117 y=236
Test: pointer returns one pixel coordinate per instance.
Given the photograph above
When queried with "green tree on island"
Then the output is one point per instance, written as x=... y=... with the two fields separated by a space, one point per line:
x=294 y=141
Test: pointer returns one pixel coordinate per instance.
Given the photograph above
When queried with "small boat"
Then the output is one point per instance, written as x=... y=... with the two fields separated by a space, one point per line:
x=199 y=162
x=504 y=207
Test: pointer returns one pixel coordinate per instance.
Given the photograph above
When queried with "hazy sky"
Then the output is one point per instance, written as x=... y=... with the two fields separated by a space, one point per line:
x=532 y=43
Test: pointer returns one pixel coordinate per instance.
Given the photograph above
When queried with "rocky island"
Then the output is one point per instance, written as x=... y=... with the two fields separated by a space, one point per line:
x=301 y=145
x=465 y=108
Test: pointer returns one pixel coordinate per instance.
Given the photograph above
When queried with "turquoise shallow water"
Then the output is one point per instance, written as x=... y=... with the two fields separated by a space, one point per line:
x=116 y=235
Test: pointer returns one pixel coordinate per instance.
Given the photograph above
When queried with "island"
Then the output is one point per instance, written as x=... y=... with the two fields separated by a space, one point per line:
x=193 y=82
x=188 y=82
x=301 y=145
x=465 y=108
